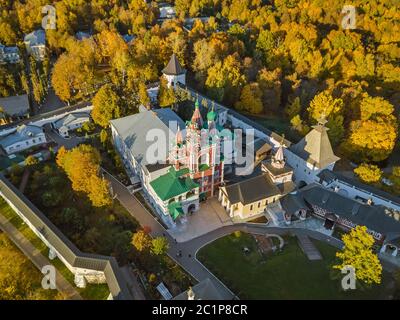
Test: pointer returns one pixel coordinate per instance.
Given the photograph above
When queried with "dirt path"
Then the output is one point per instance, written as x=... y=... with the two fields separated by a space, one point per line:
x=37 y=258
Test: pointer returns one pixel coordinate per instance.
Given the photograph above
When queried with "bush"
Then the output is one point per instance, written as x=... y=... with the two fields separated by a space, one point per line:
x=88 y=127
x=51 y=198
x=31 y=161
x=237 y=234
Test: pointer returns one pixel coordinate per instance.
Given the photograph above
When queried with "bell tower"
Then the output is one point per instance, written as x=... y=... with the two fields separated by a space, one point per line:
x=174 y=72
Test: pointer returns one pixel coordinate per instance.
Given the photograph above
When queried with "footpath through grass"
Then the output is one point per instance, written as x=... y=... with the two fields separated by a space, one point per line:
x=91 y=292
x=282 y=275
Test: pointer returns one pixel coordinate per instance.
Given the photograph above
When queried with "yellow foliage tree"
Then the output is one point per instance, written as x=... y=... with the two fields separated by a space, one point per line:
x=166 y=96
x=141 y=240
x=106 y=105
x=324 y=104
x=372 y=140
x=368 y=173
x=250 y=99
x=61 y=156
x=358 y=253
x=31 y=161
x=82 y=165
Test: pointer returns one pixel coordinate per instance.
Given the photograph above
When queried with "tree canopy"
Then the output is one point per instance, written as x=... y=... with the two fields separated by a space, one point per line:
x=358 y=253
x=82 y=165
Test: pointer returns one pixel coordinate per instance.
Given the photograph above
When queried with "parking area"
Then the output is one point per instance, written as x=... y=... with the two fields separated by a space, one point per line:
x=211 y=216
x=68 y=143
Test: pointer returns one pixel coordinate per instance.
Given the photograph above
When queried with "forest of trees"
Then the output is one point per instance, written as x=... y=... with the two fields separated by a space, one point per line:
x=287 y=58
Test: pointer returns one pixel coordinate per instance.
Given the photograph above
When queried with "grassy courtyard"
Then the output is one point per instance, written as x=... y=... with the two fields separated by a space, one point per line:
x=284 y=275
x=19 y=278
x=91 y=292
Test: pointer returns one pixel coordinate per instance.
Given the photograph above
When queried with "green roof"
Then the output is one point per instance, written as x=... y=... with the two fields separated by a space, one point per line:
x=175 y=210
x=204 y=167
x=173 y=184
x=211 y=116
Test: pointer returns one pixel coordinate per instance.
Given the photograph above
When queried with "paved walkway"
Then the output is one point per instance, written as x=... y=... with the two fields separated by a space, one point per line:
x=309 y=248
x=60 y=141
x=210 y=216
x=24 y=180
x=37 y=258
x=134 y=285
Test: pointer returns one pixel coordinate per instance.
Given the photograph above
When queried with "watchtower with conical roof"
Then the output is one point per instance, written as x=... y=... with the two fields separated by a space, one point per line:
x=312 y=154
x=174 y=72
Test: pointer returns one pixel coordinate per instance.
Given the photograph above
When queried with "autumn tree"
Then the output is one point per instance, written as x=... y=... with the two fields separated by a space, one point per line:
x=143 y=96
x=373 y=137
x=368 y=173
x=141 y=240
x=266 y=43
x=372 y=107
x=293 y=108
x=159 y=246
x=64 y=76
x=298 y=124
x=106 y=105
x=82 y=166
x=325 y=106
x=38 y=87
x=224 y=79
x=270 y=84
x=60 y=158
x=166 y=95
x=250 y=99
x=103 y=136
x=31 y=161
x=395 y=178
x=73 y=75
x=358 y=253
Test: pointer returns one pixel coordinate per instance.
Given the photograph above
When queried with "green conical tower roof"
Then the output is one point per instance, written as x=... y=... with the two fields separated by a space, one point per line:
x=211 y=115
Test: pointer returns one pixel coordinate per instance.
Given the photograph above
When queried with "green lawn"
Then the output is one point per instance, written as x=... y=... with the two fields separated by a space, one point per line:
x=91 y=292
x=9 y=213
x=20 y=275
x=284 y=275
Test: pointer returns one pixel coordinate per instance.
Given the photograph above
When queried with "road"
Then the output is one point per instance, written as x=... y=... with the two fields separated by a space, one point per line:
x=69 y=143
x=37 y=258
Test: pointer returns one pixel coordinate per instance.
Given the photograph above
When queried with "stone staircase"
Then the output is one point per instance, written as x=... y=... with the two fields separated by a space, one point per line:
x=309 y=248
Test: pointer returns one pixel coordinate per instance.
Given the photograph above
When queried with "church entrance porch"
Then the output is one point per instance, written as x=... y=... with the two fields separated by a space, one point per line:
x=390 y=252
x=210 y=216
x=329 y=224
x=191 y=209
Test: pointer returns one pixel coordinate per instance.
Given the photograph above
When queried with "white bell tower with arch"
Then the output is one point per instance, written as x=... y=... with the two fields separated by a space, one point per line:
x=174 y=72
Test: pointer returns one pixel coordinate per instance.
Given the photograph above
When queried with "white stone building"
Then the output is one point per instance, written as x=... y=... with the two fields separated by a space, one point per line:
x=69 y=122
x=21 y=138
